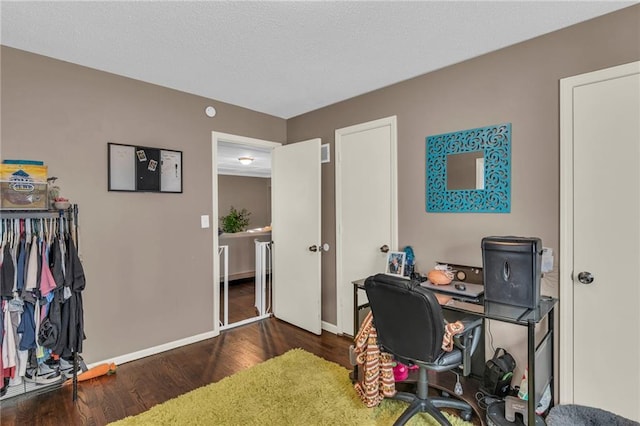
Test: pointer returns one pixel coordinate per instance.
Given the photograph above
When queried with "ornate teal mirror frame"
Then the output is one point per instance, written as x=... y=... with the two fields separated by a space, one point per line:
x=494 y=143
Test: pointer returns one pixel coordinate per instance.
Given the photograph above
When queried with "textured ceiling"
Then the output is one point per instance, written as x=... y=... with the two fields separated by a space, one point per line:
x=228 y=156
x=280 y=58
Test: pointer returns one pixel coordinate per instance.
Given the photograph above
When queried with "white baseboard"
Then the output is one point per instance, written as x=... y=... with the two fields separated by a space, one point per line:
x=329 y=327
x=155 y=350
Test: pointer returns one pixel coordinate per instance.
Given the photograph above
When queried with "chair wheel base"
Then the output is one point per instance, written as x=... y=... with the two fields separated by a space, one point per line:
x=466 y=415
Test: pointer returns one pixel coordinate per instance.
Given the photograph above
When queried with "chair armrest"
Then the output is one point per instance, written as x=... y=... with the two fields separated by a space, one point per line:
x=470 y=323
x=468 y=340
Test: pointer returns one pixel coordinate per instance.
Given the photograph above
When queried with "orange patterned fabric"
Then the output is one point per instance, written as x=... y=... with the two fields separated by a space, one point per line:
x=375 y=381
x=450 y=330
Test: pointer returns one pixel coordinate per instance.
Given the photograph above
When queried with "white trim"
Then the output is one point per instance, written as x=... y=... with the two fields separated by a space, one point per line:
x=565 y=318
x=244 y=322
x=122 y=359
x=338 y=215
x=339 y=133
x=155 y=349
x=214 y=229
x=567 y=86
x=245 y=140
x=329 y=327
x=215 y=138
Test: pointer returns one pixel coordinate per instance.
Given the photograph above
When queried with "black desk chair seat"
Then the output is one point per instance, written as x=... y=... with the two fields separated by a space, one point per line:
x=410 y=326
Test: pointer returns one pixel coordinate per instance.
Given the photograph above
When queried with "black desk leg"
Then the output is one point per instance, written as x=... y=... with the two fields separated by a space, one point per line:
x=355 y=310
x=75 y=376
x=551 y=328
x=355 y=327
x=531 y=373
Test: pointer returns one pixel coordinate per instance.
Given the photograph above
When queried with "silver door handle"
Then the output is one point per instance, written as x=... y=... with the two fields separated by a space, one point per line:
x=585 y=277
x=324 y=247
x=384 y=248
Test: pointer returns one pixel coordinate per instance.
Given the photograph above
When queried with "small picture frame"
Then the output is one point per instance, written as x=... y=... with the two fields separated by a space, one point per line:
x=395 y=263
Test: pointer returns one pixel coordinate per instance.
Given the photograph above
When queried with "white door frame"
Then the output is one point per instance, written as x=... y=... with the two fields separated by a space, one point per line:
x=393 y=159
x=215 y=138
x=566 y=320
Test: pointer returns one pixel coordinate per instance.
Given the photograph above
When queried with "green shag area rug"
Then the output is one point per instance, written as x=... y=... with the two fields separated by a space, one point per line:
x=296 y=388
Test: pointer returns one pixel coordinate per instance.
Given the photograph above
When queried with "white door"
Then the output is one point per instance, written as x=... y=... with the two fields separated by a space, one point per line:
x=366 y=207
x=600 y=240
x=296 y=211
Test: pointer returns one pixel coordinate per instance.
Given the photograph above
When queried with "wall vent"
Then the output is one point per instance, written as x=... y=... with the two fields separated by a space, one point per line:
x=325 y=153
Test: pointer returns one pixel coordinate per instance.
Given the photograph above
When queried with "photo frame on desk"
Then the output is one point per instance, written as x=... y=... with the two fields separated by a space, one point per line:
x=395 y=263
x=134 y=168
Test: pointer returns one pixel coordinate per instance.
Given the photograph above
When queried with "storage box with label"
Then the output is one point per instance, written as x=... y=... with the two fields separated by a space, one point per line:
x=23 y=187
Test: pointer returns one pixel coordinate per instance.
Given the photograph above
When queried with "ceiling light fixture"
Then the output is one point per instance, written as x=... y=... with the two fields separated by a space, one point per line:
x=245 y=160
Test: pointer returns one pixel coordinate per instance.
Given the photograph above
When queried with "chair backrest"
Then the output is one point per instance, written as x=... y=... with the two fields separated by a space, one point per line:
x=407 y=317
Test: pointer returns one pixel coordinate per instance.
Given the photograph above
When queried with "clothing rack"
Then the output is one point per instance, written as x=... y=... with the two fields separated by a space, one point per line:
x=66 y=221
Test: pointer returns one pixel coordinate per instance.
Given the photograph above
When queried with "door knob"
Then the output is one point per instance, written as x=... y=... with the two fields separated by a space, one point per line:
x=585 y=277
x=313 y=248
x=324 y=247
x=384 y=248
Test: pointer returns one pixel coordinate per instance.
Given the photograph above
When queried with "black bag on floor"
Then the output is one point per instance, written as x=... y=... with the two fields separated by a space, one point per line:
x=498 y=373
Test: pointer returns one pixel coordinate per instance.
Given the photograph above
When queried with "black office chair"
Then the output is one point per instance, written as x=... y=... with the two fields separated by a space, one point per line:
x=410 y=326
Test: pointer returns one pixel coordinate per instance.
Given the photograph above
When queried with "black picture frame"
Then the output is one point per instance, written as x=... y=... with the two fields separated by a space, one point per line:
x=135 y=168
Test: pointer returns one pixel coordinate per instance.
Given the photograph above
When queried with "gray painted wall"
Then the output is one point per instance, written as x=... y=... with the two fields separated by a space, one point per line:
x=148 y=263
x=252 y=193
x=518 y=84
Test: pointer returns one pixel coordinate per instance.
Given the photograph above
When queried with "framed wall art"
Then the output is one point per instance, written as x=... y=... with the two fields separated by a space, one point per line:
x=144 y=169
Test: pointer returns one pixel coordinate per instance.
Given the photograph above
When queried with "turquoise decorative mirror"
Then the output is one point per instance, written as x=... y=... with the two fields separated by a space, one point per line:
x=470 y=170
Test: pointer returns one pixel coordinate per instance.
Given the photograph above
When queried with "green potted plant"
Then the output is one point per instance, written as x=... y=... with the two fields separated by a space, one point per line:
x=235 y=221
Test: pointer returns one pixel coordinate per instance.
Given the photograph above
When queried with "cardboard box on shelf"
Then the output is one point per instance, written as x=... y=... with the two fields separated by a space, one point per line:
x=30 y=172
x=23 y=187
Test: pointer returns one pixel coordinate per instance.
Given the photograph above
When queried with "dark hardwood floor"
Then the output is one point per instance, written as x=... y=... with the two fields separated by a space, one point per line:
x=241 y=300
x=141 y=384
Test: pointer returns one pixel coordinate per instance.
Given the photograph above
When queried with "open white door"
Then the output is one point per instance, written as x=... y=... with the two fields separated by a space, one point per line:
x=295 y=200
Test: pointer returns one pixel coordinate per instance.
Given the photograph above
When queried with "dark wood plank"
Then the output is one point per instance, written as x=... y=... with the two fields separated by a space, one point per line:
x=141 y=384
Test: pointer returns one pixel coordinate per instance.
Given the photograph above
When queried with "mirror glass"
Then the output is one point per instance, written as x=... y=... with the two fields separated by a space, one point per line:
x=470 y=170
x=465 y=170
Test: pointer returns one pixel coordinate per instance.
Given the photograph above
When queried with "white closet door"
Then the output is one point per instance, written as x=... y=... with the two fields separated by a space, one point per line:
x=600 y=240
x=366 y=207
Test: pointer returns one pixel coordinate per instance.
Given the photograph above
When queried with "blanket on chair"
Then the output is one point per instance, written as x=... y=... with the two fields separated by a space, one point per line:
x=376 y=380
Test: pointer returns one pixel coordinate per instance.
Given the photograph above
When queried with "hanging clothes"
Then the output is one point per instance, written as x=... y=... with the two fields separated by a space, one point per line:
x=7 y=273
x=71 y=307
x=20 y=259
x=55 y=307
x=31 y=280
x=41 y=307
x=76 y=282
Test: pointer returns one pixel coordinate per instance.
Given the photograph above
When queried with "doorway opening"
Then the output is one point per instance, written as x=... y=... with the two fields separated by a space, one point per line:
x=242 y=243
